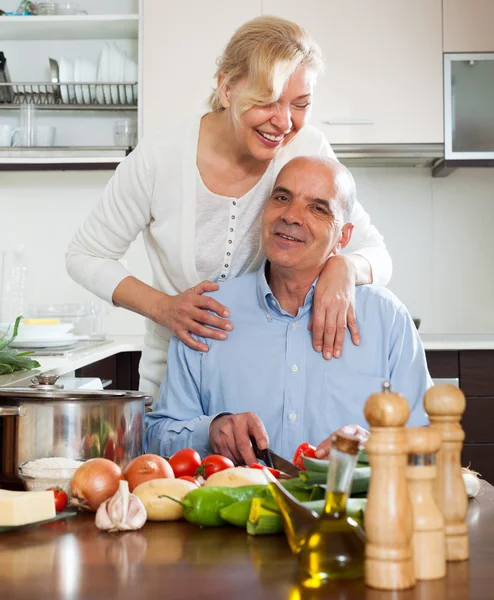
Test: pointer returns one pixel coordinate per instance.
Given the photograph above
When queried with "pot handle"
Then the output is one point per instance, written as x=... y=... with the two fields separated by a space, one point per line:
x=12 y=411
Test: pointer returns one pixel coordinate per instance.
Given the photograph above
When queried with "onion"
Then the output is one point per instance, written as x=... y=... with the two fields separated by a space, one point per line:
x=471 y=480
x=147 y=467
x=94 y=482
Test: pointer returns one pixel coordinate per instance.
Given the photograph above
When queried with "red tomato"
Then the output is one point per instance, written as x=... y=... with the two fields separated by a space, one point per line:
x=189 y=478
x=60 y=498
x=305 y=449
x=273 y=472
x=212 y=464
x=185 y=462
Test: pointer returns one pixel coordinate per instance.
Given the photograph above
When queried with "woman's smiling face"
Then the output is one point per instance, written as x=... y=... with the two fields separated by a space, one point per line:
x=261 y=131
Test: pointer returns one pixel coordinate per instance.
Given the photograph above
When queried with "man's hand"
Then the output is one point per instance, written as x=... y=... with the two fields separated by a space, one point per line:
x=229 y=436
x=322 y=451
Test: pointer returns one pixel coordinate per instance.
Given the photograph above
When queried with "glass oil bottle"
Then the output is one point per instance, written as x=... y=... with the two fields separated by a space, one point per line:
x=335 y=546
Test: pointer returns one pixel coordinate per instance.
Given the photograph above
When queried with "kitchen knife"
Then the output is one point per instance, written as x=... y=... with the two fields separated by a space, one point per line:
x=275 y=461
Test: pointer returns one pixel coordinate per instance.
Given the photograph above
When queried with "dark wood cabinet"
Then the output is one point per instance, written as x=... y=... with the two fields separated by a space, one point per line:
x=121 y=369
x=475 y=370
x=443 y=364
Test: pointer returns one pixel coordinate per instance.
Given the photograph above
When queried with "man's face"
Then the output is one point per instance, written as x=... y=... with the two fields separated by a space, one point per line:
x=303 y=221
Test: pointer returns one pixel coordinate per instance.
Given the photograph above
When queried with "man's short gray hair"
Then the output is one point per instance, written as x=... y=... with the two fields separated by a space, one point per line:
x=343 y=179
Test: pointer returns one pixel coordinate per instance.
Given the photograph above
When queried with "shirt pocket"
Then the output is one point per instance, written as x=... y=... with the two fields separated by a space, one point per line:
x=345 y=393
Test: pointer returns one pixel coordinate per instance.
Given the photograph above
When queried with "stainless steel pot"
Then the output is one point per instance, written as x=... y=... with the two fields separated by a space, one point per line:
x=46 y=420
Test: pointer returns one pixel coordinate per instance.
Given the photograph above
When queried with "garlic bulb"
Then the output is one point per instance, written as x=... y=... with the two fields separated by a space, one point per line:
x=122 y=512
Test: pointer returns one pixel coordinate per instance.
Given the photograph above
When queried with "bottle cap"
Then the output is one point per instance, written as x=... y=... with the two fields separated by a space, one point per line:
x=345 y=443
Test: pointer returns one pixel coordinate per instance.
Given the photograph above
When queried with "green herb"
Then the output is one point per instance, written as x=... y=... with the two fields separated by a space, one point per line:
x=10 y=360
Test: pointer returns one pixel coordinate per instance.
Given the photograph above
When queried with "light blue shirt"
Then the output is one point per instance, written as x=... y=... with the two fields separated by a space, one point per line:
x=268 y=366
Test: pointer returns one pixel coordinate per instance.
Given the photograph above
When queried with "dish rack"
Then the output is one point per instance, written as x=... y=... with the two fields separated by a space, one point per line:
x=95 y=95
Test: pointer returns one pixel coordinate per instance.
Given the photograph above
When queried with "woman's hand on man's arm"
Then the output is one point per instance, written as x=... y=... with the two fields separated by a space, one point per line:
x=334 y=303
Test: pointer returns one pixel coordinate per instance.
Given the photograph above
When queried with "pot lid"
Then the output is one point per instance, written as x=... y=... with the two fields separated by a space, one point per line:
x=18 y=394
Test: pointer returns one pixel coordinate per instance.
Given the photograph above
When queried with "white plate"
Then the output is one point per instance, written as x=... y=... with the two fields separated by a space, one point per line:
x=32 y=344
x=103 y=93
x=121 y=75
x=78 y=77
x=66 y=75
x=130 y=75
x=89 y=74
x=116 y=70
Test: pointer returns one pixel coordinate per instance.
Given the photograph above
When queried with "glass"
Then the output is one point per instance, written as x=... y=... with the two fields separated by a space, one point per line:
x=335 y=546
x=125 y=133
x=47 y=8
x=89 y=318
x=70 y=8
x=59 y=8
x=27 y=128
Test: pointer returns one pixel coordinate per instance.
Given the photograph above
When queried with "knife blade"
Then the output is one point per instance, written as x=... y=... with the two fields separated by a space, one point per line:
x=275 y=461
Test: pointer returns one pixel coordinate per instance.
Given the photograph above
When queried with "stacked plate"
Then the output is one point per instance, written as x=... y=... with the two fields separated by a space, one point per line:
x=42 y=336
x=114 y=66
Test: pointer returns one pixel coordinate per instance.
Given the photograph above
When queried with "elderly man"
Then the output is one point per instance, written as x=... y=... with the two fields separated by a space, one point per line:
x=266 y=380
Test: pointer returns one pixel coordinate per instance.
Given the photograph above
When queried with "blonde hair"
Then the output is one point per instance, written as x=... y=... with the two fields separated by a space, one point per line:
x=266 y=51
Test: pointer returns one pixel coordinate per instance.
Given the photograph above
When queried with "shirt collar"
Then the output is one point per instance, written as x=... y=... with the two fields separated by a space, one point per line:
x=270 y=304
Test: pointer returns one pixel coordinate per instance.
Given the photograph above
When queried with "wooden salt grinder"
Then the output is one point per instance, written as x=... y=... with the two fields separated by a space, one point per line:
x=388 y=516
x=445 y=405
x=429 y=546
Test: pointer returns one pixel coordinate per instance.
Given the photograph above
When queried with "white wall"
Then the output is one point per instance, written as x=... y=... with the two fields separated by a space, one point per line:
x=42 y=210
x=439 y=233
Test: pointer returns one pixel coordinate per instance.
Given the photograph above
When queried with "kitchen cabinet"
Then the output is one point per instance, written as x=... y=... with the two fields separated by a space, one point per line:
x=468 y=26
x=475 y=370
x=81 y=117
x=121 y=369
x=181 y=42
x=383 y=78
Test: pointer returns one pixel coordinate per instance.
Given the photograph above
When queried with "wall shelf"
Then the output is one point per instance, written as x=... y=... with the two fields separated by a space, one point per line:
x=61 y=158
x=78 y=27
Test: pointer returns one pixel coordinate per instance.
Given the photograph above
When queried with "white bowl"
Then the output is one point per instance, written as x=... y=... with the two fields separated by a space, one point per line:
x=39 y=332
x=48 y=478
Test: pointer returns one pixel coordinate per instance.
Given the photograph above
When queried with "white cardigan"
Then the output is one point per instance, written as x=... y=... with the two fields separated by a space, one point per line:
x=154 y=191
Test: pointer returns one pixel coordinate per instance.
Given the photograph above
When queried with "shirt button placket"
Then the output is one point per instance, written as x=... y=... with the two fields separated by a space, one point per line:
x=230 y=241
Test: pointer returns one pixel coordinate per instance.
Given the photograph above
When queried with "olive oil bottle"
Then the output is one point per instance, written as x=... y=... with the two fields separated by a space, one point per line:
x=334 y=547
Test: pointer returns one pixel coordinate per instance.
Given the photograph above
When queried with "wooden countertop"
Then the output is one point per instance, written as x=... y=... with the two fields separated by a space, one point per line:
x=72 y=560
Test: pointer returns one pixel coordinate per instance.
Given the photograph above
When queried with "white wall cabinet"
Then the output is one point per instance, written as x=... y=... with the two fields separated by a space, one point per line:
x=383 y=81
x=468 y=25
x=181 y=42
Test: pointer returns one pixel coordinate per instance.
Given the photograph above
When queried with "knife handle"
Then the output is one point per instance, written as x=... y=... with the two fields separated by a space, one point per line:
x=263 y=455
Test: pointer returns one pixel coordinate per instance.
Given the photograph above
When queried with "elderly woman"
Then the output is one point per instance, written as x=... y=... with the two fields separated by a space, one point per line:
x=197 y=194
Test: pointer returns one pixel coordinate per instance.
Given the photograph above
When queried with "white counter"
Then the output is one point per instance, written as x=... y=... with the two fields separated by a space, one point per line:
x=60 y=365
x=458 y=341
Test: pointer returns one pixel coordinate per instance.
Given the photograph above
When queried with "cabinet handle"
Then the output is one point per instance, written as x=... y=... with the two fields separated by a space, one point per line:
x=12 y=411
x=348 y=122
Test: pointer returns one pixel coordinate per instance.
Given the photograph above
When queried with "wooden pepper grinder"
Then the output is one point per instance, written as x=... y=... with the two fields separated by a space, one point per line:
x=388 y=516
x=428 y=541
x=445 y=404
